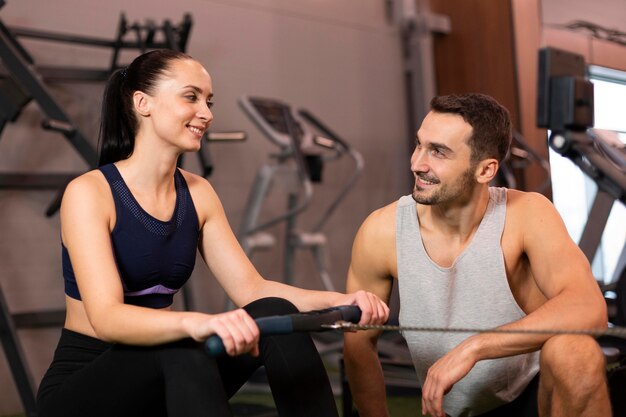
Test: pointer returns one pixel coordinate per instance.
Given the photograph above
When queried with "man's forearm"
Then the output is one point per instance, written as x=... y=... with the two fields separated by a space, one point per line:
x=563 y=312
x=366 y=379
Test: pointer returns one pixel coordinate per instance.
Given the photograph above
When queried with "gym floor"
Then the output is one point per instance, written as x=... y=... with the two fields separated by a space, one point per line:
x=255 y=400
x=262 y=405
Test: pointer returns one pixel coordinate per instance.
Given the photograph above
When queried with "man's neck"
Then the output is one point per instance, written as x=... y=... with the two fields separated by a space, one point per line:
x=455 y=219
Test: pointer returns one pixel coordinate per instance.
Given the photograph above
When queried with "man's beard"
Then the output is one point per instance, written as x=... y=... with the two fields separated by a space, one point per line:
x=460 y=190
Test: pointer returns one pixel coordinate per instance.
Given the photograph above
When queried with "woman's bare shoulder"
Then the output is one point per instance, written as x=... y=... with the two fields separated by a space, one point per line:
x=90 y=185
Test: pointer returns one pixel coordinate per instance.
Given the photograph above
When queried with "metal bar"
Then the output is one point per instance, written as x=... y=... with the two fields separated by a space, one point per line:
x=183 y=32
x=97 y=42
x=206 y=162
x=15 y=358
x=35 y=181
x=35 y=320
x=28 y=79
x=258 y=192
x=68 y=74
x=117 y=43
x=150 y=31
x=226 y=136
x=16 y=44
x=60 y=37
x=170 y=37
x=290 y=239
x=597 y=218
x=55 y=204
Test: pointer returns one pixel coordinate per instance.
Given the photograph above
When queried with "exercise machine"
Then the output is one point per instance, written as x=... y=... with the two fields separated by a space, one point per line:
x=521 y=155
x=305 y=145
x=565 y=106
x=22 y=81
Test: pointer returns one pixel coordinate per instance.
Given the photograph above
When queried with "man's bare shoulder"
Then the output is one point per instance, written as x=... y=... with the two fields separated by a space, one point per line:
x=373 y=253
x=531 y=216
x=381 y=222
x=524 y=202
x=525 y=196
x=375 y=242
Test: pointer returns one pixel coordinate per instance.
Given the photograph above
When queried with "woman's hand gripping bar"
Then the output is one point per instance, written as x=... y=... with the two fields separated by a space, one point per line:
x=311 y=321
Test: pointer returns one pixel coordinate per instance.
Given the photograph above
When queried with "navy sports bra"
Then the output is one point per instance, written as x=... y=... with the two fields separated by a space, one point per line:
x=154 y=258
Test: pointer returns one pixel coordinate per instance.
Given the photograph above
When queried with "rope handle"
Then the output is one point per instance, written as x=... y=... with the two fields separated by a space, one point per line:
x=311 y=321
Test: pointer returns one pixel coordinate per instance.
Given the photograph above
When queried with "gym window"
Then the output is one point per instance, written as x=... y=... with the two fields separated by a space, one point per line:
x=573 y=192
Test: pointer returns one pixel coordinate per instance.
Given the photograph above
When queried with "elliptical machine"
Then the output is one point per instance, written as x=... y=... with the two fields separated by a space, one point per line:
x=305 y=145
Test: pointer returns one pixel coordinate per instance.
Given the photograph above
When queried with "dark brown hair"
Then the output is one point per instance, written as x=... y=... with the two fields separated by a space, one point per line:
x=118 y=123
x=490 y=121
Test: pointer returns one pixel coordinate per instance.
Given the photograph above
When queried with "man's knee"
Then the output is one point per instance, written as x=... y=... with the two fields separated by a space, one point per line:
x=574 y=363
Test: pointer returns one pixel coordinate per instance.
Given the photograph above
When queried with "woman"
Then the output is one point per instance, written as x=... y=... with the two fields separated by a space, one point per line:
x=130 y=231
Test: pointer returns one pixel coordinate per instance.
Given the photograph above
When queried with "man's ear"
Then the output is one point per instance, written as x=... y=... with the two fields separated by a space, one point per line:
x=486 y=170
x=141 y=102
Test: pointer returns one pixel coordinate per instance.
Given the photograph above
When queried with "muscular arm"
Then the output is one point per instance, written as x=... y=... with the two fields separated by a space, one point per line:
x=559 y=270
x=566 y=294
x=371 y=269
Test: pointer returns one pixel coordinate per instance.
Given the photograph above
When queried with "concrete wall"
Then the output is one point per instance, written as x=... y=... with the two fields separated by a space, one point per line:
x=341 y=60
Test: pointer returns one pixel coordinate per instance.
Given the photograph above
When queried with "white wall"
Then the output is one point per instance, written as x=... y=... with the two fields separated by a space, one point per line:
x=339 y=59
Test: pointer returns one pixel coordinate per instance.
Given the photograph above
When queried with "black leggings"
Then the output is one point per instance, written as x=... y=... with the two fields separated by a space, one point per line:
x=92 y=378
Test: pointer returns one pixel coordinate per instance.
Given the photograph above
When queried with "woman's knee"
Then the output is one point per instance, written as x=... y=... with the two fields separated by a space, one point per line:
x=270 y=306
x=186 y=356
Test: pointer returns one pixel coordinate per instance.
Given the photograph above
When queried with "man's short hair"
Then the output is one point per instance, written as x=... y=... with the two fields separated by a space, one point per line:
x=490 y=121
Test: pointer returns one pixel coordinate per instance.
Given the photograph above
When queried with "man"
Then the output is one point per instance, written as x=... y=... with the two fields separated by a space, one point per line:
x=468 y=255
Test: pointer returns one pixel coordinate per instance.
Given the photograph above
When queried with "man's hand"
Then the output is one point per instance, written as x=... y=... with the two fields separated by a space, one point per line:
x=373 y=309
x=442 y=376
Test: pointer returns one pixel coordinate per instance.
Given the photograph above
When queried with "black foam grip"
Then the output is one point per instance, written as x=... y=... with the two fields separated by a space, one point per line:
x=299 y=322
x=267 y=326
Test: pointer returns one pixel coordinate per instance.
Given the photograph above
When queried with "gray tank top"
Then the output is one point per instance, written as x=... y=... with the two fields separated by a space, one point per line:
x=473 y=292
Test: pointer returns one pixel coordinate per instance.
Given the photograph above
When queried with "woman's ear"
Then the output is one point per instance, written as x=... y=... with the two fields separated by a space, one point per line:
x=141 y=102
x=486 y=170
